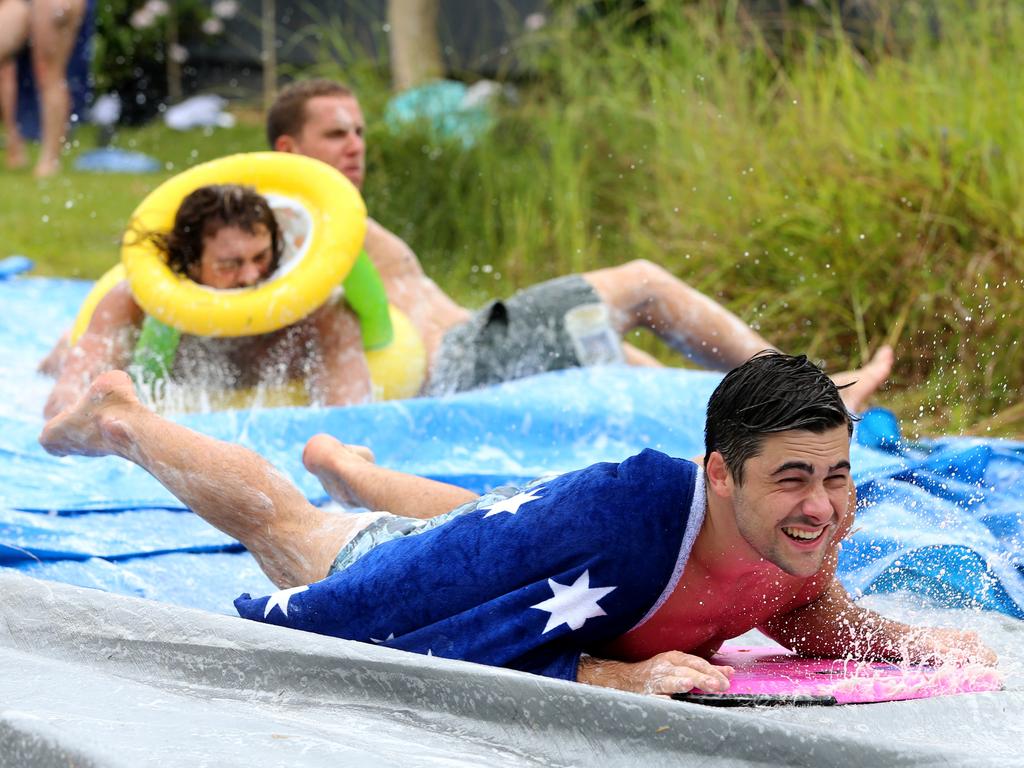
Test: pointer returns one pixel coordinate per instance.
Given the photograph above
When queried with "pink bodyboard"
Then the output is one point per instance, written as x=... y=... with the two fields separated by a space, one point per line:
x=771 y=676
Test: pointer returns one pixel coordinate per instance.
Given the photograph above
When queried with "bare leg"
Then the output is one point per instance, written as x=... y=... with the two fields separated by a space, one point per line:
x=642 y=294
x=13 y=35
x=230 y=487
x=53 y=26
x=348 y=474
x=860 y=384
x=14 y=16
x=16 y=155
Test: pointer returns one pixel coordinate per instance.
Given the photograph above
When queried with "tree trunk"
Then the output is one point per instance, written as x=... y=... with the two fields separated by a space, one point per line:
x=268 y=52
x=174 y=90
x=415 y=47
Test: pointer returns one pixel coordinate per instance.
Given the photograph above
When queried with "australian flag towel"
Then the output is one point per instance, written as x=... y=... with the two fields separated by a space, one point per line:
x=528 y=582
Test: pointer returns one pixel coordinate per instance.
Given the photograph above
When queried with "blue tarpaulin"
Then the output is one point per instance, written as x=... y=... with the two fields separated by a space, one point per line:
x=941 y=518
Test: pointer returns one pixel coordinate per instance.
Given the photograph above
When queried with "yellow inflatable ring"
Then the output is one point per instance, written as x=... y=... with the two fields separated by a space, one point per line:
x=398 y=370
x=338 y=217
x=101 y=288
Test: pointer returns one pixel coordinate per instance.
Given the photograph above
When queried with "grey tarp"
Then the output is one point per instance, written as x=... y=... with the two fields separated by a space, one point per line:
x=97 y=679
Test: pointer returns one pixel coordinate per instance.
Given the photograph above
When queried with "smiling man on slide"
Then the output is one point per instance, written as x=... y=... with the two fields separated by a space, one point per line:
x=628 y=575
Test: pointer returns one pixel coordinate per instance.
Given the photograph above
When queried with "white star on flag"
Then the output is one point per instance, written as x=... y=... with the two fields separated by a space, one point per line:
x=387 y=639
x=574 y=603
x=280 y=599
x=512 y=505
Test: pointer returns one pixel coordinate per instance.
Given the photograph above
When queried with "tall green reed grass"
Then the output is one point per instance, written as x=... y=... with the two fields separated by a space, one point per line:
x=837 y=196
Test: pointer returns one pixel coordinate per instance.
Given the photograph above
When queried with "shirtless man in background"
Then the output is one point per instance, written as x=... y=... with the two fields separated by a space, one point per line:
x=527 y=333
x=628 y=575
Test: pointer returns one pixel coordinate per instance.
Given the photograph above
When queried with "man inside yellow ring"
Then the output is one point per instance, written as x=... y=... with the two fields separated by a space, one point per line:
x=225 y=237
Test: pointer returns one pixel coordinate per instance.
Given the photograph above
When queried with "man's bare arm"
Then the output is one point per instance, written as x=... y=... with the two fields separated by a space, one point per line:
x=409 y=288
x=107 y=344
x=664 y=674
x=343 y=378
x=832 y=626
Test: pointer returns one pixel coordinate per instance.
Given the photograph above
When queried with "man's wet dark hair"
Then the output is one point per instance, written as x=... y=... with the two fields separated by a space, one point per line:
x=287 y=115
x=769 y=393
x=205 y=212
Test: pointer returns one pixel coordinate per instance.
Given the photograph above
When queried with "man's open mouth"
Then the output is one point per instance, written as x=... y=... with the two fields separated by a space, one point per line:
x=800 y=535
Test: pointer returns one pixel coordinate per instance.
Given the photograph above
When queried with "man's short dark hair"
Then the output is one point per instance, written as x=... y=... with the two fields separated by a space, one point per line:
x=287 y=115
x=769 y=393
x=206 y=211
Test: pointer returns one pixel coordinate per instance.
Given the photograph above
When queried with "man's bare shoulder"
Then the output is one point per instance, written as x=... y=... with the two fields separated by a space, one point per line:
x=386 y=249
x=409 y=288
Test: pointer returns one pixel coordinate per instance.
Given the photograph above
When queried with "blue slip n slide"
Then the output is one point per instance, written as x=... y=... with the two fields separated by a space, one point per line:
x=944 y=519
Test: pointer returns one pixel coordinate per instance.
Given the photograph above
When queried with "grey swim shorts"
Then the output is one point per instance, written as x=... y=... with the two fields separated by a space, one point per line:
x=390 y=527
x=521 y=336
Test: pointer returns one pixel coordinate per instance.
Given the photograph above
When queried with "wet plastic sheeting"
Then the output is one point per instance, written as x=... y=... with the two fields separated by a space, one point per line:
x=170 y=687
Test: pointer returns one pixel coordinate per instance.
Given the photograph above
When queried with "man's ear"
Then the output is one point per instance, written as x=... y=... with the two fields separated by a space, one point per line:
x=717 y=475
x=285 y=143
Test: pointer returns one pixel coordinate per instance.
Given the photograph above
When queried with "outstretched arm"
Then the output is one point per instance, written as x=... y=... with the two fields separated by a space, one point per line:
x=832 y=626
x=106 y=345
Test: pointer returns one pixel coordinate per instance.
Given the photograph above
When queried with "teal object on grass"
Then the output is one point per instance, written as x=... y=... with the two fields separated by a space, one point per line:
x=447 y=106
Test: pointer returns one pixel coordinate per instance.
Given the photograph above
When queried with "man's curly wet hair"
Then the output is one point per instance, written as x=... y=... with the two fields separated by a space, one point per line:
x=205 y=212
x=769 y=393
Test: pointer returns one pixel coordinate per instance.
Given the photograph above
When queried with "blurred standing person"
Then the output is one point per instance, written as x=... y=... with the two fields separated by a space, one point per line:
x=14 y=16
x=52 y=27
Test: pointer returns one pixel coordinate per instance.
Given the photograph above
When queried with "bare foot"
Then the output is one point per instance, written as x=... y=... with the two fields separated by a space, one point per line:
x=16 y=156
x=862 y=383
x=46 y=168
x=330 y=459
x=89 y=427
